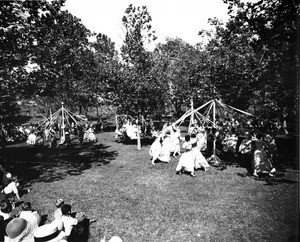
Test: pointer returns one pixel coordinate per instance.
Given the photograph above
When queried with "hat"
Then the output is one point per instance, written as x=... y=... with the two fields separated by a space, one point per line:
x=59 y=202
x=115 y=239
x=17 y=228
x=49 y=233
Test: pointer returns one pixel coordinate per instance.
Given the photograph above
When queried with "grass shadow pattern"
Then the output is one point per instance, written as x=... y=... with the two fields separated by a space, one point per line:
x=43 y=164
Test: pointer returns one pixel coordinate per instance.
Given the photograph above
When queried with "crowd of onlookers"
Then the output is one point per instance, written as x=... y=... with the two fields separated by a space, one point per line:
x=19 y=222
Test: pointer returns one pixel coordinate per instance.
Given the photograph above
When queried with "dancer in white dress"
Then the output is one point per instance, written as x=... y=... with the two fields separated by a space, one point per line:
x=199 y=159
x=186 y=160
x=175 y=145
x=160 y=149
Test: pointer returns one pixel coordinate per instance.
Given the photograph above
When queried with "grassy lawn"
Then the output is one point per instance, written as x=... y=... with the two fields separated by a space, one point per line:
x=117 y=185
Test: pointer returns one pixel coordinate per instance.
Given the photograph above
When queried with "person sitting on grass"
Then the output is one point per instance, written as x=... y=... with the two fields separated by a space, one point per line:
x=57 y=214
x=29 y=214
x=19 y=230
x=52 y=232
x=5 y=209
x=76 y=227
x=11 y=190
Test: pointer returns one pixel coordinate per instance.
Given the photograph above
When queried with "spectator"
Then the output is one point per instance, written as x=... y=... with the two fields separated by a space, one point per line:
x=52 y=232
x=30 y=215
x=11 y=190
x=5 y=209
x=58 y=213
x=19 y=229
x=74 y=228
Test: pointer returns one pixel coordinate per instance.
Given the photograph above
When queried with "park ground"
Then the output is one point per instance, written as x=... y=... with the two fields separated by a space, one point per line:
x=116 y=184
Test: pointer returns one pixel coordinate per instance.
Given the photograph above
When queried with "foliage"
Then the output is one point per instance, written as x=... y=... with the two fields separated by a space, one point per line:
x=272 y=28
x=185 y=70
x=136 y=92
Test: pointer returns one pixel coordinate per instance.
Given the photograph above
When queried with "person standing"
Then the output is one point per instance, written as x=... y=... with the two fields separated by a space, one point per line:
x=186 y=160
x=261 y=163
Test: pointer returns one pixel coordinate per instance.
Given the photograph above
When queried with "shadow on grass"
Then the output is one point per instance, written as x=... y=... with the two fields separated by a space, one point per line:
x=43 y=164
x=144 y=142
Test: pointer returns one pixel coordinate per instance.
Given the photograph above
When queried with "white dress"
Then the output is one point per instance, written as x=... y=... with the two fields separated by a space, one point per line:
x=186 y=160
x=131 y=131
x=175 y=145
x=164 y=155
x=91 y=135
x=202 y=142
x=160 y=149
x=31 y=140
x=155 y=149
x=199 y=159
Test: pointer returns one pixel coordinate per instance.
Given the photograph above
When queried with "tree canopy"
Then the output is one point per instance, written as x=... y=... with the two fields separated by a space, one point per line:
x=249 y=61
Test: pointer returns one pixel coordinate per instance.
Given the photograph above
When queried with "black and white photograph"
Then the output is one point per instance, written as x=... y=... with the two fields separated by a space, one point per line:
x=149 y=120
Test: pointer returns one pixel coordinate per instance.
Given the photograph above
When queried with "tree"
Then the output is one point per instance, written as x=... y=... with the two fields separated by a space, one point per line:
x=273 y=28
x=134 y=88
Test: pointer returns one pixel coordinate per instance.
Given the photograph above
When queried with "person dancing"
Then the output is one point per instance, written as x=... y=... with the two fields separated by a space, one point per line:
x=186 y=160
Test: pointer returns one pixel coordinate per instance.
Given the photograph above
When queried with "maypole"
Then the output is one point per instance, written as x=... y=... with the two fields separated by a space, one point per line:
x=192 y=115
x=214 y=157
x=63 y=120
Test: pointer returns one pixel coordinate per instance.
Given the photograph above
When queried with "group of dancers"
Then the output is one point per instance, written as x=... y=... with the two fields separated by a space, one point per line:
x=256 y=148
x=167 y=144
x=56 y=135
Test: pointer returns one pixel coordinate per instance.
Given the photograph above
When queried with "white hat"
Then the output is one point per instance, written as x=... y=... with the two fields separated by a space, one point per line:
x=18 y=229
x=115 y=239
x=49 y=233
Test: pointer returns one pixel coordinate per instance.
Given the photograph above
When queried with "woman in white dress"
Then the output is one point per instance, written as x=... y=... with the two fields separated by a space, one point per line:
x=199 y=159
x=175 y=145
x=186 y=160
x=160 y=149
x=156 y=148
x=201 y=141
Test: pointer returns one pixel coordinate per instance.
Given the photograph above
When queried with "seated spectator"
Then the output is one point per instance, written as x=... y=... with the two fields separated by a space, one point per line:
x=5 y=209
x=76 y=229
x=19 y=229
x=11 y=190
x=4 y=176
x=30 y=215
x=58 y=213
x=52 y=232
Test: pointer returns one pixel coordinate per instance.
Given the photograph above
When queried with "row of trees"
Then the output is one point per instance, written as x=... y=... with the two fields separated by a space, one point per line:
x=251 y=61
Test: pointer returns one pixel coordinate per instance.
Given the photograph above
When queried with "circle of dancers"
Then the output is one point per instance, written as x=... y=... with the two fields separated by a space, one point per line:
x=197 y=148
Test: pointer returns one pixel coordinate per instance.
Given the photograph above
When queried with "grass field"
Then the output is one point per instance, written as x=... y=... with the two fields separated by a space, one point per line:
x=116 y=184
